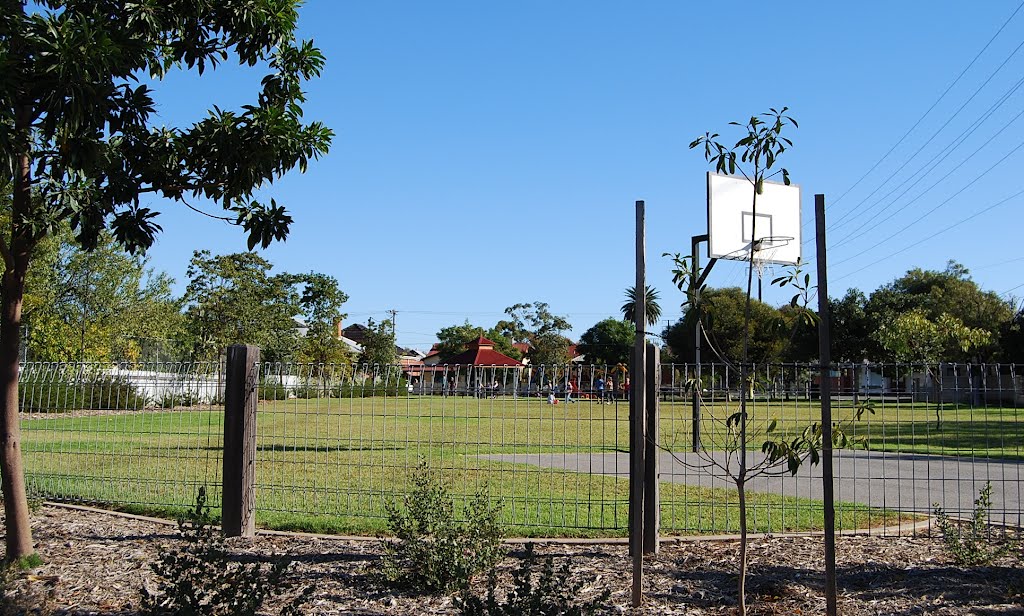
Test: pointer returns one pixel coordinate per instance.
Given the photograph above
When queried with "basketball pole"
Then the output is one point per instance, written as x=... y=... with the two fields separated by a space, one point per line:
x=697 y=278
x=825 y=355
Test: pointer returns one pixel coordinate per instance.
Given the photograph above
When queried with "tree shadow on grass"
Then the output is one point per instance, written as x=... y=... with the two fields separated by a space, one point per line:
x=281 y=447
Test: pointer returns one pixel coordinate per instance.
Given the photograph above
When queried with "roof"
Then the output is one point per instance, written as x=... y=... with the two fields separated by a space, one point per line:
x=481 y=353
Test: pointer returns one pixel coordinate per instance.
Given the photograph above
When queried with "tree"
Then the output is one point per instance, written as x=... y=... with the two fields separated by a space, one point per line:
x=77 y=134
x=653 y=310
x=102 y=305
x=1012 y=336
x=453 y=340
x=913 y=337
x=723 y=314
x=608 y=342
x=233 y=299
x=935 y=293
x=320 y=303
x=379 y=344
x=752 y=156
x=536 y=325
x=851 y=327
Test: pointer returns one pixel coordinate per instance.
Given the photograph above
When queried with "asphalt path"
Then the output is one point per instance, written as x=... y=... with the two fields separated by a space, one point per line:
x=900 y=481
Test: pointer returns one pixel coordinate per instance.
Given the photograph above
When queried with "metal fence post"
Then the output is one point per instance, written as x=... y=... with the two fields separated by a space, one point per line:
x=240 y=398
x=652 y=500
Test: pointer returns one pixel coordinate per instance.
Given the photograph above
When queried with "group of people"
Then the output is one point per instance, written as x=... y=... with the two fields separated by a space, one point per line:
x=603 y=390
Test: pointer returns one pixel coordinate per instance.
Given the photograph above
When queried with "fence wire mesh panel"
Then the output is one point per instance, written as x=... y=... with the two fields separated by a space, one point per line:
x=336 y=444
x=926 y=436
x=144 y=436
x=342 y=442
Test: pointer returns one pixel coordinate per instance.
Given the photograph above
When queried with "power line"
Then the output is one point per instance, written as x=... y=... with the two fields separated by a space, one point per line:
x=933 y=235
x=854 y=234
x=928 y=167
x=1011 y=289
x=933 y=105
x=977 y=91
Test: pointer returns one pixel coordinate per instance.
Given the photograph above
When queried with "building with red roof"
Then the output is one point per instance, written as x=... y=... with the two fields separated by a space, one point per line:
x=481 y=352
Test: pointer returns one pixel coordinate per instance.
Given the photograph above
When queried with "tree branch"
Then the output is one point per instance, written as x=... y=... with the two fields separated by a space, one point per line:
x=227 y=219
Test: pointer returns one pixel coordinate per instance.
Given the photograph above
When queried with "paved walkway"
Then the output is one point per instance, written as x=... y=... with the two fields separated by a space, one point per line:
x=905 y=482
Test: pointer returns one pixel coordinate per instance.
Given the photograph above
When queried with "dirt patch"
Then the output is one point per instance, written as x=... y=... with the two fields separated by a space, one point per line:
x=96 y=563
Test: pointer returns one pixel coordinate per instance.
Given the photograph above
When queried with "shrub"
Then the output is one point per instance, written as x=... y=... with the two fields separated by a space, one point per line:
x=170 y=399
x=553 y=594
x=973 y=543
x=433 y=552
x=201 y=578
x=92 y=392
x=272 y=390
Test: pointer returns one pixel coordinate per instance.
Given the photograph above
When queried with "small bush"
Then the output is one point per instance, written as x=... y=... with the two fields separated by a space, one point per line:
x=93 y=393
x=973 y=543
x=272 y=390
x=173 y=399
x=201 y=578
x=433 y=552
x=553 y=594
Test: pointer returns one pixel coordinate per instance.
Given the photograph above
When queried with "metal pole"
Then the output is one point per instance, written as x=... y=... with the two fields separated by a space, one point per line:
x=825 y=355
x=637 y=398
x=694 y=290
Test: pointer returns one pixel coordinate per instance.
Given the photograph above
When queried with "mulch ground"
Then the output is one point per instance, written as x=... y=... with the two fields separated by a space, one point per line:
x=97 y=562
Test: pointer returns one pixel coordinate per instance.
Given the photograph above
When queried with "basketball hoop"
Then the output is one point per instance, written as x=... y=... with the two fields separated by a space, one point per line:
x=764 y=252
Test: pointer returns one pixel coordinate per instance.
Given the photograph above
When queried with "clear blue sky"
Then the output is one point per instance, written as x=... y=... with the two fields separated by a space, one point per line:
x=491 y=153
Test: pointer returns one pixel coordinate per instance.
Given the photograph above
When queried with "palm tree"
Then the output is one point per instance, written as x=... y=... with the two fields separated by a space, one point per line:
x=651 y=300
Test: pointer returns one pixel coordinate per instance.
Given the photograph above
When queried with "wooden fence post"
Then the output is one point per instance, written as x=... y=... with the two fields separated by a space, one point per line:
x=238 y=503
x=652 y=500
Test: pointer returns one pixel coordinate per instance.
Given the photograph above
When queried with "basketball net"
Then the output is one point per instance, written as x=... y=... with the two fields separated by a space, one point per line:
x=764 y=250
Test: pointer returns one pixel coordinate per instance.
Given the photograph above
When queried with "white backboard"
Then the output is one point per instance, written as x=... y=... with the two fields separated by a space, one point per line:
x=733 y=226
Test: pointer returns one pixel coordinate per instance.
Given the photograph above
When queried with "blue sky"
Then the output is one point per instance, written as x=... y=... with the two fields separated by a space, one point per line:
x=491 y=153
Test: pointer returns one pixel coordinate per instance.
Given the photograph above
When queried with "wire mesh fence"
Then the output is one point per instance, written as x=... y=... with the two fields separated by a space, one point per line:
x=336 y=443
x=144 y=437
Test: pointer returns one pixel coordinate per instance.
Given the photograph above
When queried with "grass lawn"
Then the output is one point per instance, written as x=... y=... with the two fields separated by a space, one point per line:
x=331 y=465
x=988 y=432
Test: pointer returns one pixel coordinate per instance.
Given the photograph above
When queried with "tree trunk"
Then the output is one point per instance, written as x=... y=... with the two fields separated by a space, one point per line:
x=742 y=585
x=12 y=288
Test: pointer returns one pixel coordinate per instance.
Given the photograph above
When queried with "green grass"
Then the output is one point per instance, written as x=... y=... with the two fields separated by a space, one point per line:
x=330 y=465
x=992 y=432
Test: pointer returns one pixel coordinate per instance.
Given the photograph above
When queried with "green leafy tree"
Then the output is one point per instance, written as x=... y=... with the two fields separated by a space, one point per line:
x=651 y=297
x=608 y=342
x=103 y=305
x=233 y=299
x=851 y=327
x=913 y=337
x=726 y=329
x=753 y=156
x=379 y=344
x=949 y=292
x=536 y=325
x=452 y=340
x=82 y=143
x=1012 y=336
x=320 y=302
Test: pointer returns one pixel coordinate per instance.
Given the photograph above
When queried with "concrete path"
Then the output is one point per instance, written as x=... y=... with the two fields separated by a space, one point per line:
x=900 y=481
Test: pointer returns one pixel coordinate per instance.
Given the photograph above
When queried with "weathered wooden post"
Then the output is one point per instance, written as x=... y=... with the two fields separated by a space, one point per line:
x=652 y=504
x=238 y=503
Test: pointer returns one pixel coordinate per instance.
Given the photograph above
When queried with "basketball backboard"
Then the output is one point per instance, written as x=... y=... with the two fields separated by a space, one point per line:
x=734 y=228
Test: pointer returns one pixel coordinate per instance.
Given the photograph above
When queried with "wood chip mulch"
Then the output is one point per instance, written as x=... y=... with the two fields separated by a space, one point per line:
x=96 y=563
